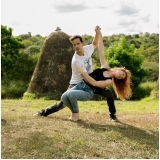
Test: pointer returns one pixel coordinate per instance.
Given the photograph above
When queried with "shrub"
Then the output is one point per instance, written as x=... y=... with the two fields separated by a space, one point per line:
x=143 y=90
x=13 y=89
x=17 y=89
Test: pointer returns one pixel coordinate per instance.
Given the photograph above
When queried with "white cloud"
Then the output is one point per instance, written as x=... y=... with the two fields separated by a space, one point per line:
x=80 y=17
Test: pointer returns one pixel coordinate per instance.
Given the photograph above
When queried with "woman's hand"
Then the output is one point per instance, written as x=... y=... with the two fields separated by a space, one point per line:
x=80 y=69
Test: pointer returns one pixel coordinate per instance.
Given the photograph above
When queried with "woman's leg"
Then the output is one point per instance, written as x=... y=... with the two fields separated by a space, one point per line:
x=110 y=100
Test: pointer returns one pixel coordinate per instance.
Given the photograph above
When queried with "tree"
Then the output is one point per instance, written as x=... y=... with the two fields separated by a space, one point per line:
x=25 y=36
x=125 y=55
x=10 y=47
x=33 y=49
x=27 y=43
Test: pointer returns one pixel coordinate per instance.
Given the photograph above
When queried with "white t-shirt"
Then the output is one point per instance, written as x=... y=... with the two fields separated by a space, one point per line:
x=78 y=61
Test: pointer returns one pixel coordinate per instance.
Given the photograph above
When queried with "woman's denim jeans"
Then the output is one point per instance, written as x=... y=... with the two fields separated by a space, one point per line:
x=80 y=92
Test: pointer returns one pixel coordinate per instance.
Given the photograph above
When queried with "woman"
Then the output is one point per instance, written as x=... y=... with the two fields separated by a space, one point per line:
x=100 y=78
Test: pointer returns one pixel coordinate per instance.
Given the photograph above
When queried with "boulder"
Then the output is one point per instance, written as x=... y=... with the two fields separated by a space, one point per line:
x=53 y=70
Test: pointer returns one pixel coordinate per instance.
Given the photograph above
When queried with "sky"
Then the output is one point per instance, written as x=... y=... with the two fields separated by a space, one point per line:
x=80 y=16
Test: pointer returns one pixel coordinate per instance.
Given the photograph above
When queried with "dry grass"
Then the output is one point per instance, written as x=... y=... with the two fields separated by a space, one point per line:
x=94 y=136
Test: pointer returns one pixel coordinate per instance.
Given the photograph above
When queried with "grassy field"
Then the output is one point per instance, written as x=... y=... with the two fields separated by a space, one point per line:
x=136 y=136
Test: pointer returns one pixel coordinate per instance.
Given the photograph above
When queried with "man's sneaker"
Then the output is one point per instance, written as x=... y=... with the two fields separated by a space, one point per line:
x=113 y=118
x=40 y=113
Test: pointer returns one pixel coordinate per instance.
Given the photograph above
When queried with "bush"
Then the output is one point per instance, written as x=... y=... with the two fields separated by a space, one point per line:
x=16 y=89
x=13 y=89
x=143 y=90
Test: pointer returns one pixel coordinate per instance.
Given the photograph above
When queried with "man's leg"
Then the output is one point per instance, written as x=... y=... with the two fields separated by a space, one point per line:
x=80 y=92
x=50 y=109
x=53 y=108
x=70 y=98
x=110 y=101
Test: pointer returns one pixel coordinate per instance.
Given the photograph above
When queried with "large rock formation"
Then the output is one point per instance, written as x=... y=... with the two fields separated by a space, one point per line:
x=53 y=70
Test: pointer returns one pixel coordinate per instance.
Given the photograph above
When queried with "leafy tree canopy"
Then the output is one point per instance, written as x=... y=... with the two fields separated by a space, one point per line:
x=10 y=49
x=125 y=55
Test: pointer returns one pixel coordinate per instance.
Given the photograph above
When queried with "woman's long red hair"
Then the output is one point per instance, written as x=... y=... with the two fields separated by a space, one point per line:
x=122 y=86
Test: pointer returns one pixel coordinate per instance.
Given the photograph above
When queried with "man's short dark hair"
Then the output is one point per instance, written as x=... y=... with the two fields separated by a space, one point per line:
x=75 y=37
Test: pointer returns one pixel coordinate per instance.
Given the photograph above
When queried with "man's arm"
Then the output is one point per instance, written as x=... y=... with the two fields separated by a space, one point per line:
x=93 y=82
x=96 y=37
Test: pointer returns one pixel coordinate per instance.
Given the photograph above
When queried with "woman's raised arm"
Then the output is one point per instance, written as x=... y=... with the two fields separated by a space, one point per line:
x=101 y=52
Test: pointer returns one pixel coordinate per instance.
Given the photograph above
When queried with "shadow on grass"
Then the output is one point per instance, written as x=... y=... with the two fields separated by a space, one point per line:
x=38 y=144
x=129 y=131
x=133 y=133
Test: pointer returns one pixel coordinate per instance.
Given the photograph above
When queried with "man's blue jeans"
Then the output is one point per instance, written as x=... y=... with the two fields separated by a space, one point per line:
x=80 y=92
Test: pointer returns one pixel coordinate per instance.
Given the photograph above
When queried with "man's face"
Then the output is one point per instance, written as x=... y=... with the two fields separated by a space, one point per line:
x=78 y=45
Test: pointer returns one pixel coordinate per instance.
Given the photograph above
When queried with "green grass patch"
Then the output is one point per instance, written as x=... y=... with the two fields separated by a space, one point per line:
x=136 y=136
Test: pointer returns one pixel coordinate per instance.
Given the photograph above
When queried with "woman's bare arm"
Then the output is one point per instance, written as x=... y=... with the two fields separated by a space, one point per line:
x=101 y=51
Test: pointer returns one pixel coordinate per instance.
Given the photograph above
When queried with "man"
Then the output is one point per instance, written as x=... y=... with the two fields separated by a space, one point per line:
x=81 y=56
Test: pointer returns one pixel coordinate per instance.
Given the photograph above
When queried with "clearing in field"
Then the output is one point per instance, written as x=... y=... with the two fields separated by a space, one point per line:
x=136 y=136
